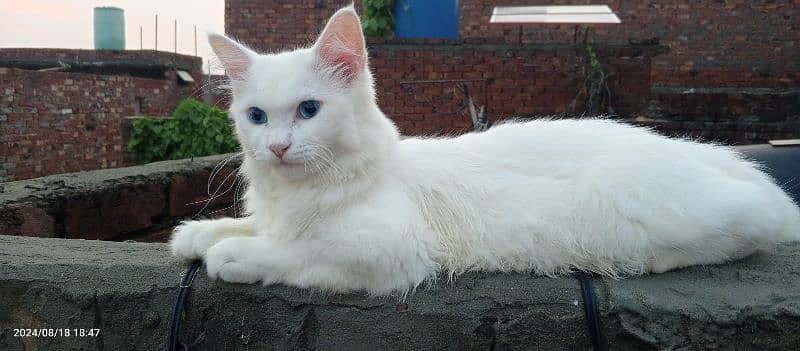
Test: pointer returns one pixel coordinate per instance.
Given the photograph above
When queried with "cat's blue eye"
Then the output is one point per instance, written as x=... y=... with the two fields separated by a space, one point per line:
x=257 y=115
x=308 y=108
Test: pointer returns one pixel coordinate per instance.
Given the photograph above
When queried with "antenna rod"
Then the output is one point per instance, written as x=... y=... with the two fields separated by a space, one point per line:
x=156 y=47
x=195 y=40
x=141 y=42
x=175 y=33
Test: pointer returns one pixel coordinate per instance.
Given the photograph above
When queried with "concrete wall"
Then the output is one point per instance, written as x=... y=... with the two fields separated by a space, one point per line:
x=684 y=67
x=127 y=290
x=141 y=203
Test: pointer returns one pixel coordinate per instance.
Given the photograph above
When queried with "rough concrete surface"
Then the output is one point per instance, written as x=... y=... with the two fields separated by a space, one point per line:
x=141 y=202
x=61 y=185
x=127 y=290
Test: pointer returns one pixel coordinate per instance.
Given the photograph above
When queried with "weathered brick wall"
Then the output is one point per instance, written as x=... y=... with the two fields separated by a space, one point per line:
x=511 y=80
x=742 y=53
x=56 y=122
x=715 y=38
x=280 y=24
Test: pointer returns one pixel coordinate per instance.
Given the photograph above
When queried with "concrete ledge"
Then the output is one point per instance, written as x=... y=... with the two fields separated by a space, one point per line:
x=141 y=202
x=127 y=290
x=38 y=58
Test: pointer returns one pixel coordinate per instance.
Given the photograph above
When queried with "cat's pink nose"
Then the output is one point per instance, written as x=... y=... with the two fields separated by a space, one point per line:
x=279 y=149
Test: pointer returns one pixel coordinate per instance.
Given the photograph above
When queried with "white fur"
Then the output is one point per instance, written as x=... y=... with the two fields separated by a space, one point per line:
x=354 y=207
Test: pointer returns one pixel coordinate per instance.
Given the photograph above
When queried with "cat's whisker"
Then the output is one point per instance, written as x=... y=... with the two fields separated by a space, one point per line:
x=322 y=164
x=238 y=182
x=333 y=171
x=218 y=167
x=237 y=195
x=322 y=170
x=211 y=85
x=236 y=173
x=305 y=163
x=330 y=157
x=216 y=193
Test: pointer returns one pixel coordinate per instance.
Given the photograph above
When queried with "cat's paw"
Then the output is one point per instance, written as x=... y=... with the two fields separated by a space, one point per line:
x=229 y=261
x=192 y=239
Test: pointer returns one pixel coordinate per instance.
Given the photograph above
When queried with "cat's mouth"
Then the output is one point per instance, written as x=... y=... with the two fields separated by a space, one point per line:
x=288 y=163
x=278 y=162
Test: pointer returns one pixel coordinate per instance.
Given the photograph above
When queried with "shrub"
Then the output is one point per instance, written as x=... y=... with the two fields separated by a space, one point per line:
x=195 y=129
x=148 y=142
x=378 y=19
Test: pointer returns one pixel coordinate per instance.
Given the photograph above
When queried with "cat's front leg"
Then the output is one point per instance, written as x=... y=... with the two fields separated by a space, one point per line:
x=192 y=239
x=246 y=260
x=349 y=263
x=300 y=263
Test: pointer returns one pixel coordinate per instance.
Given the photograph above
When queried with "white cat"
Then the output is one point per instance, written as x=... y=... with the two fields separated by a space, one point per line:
x=337 y=201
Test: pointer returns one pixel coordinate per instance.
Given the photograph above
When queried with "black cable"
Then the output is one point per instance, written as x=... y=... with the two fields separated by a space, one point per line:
x=590 y=306
x=183 y=293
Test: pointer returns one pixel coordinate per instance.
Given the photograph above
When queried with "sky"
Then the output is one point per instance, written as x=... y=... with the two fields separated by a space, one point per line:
x=69 y=23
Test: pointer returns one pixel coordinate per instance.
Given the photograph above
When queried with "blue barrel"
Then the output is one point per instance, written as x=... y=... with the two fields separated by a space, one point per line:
x=109 y=28
x=426 y=19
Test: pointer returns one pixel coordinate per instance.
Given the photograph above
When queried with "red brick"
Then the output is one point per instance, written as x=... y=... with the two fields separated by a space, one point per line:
x=26 y=219
x=188 y=194
x=107 y=215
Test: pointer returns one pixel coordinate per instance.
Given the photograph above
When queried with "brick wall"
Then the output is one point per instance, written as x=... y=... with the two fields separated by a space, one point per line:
x=510 y=80
x=280 y=24
x=741 y=58
x=734 y=41
x=726 y=43
x=56 y=122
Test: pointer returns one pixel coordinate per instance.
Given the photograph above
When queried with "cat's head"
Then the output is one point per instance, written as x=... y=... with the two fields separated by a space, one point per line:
x=309 y=112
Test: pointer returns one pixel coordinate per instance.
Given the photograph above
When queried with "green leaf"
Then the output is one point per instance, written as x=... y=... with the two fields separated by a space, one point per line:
x=194 y=129
x=378 y=19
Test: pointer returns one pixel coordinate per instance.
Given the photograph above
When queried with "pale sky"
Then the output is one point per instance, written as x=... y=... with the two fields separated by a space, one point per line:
x=69 y=23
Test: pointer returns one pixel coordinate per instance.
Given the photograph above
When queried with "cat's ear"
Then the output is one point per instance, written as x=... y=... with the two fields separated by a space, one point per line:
x=341 y=44
x=235 y=57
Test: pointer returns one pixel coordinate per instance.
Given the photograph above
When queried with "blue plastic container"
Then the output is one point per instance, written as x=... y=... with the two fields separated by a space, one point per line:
x=426 y=19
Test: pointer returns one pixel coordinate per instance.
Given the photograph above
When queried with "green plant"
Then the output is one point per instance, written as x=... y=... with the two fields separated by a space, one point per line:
x=378 y=18
x=195 y=129
x=595 y=92
x=201 y=130
x=148 y=141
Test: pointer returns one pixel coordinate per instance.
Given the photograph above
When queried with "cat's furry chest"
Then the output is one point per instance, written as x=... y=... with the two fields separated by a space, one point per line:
x=376 y=204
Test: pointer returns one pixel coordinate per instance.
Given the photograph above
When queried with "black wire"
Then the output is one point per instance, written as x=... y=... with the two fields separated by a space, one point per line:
x=590 y=306
x=183 y=293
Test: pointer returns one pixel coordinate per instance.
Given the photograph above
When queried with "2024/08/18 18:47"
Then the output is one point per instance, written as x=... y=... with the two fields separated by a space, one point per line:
x=55 y=332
